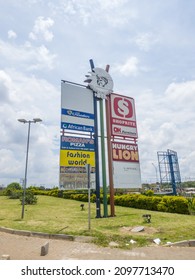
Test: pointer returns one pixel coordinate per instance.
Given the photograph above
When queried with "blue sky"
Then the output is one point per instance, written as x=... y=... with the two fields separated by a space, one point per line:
x=150 y=47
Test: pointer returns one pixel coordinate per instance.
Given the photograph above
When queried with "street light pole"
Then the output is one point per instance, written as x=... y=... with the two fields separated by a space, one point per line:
x=26 y=165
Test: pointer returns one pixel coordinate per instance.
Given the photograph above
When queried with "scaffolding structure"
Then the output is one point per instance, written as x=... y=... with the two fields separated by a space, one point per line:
x=169 y=169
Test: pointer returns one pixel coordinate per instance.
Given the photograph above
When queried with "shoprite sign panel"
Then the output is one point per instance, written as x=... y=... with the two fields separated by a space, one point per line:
x=123 y=118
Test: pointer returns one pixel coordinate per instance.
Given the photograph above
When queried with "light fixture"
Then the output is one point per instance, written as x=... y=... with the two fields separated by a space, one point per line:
x=35 y=120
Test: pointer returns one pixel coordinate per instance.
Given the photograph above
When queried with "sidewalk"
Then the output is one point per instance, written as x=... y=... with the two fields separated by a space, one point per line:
x=29 y=248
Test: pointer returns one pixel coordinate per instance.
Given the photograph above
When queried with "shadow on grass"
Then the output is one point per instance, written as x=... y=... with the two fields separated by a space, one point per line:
x=61 y=229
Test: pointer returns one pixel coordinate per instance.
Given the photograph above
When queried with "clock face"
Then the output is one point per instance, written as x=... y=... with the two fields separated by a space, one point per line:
x=100 y=82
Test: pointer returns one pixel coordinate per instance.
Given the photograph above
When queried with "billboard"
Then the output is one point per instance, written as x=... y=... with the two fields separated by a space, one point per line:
x=126 y=167
x=123 y=118
x=76 y=142
x=77 y=148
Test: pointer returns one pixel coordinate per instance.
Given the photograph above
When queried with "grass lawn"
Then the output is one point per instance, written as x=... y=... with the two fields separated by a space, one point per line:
x=57 y=215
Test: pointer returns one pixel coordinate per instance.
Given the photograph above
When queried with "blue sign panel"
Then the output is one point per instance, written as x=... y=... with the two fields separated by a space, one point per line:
x=80 y=127
x=77 y=143
x=77 y=114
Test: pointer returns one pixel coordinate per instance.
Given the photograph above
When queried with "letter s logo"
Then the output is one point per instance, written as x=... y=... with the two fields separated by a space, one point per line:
x=123 y=107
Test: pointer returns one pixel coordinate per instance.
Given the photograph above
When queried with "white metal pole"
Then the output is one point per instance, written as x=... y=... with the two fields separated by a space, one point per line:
x=89 y=195
x=26 y=168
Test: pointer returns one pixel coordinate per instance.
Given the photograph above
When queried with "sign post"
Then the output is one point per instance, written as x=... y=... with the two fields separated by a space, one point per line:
x=101 y=83
x=88 y=170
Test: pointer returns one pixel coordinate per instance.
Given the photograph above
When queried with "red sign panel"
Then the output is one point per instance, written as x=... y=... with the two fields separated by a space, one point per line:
x=123 y=119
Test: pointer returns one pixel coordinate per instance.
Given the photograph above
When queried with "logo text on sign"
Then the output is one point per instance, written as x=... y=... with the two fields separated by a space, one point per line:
x=123 y=120
x=125 y=152
x=123 y=107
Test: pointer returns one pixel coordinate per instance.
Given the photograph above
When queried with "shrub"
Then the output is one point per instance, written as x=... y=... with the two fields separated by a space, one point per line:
x=162 y=207
x=15 y=194
x=30 y=198
x=175 y=204
x=148 y=201
x=191 y=205
x=12 y=188
x=149 y=193
x=171 y=204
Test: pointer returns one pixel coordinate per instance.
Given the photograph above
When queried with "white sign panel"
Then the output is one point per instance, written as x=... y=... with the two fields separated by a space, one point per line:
x=126 y=175
x=77 y=110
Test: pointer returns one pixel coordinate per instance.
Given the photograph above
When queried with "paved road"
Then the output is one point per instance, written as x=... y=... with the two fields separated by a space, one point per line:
x=29 y=248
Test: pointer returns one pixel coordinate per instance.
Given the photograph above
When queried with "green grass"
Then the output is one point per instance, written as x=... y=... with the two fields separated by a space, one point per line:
x=57 y=215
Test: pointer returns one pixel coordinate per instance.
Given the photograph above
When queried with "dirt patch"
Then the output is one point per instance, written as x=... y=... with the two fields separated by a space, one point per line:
x=147 y=231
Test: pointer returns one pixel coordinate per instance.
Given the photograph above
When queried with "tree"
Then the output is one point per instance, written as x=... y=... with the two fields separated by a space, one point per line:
x=13 y=187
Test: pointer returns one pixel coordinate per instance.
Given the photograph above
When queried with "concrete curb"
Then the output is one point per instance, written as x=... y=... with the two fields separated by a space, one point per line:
x=37 y=234
x=184 y=243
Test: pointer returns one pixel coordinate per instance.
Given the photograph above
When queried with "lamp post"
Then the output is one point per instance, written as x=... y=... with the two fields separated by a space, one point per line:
x=35 y=120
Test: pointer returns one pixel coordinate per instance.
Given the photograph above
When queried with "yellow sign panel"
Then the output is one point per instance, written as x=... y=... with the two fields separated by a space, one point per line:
x=77 y=158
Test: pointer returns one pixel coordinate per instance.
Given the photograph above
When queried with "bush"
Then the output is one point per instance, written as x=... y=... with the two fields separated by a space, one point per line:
x=149 y=193
x=30 y=198
x=162 y=207
x=15 y=194
x=12 y=188
x=148 y=201
x=154 y=202
x=191 y=205
x=175 y=204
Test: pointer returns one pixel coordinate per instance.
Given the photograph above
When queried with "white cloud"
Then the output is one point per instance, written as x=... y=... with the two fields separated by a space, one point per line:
x=145 y=41
x=29 y=98
x=44 y=58
x=41 y=29
x=5 y=85
x=129 y=68
x=113 y=13
x=28 y=56
x=166 y=122
x=11 y=34
x=111 y=4
x=182 y=93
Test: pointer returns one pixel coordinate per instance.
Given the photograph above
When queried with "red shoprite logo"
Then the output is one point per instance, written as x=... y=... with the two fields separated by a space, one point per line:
x=123 y=107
